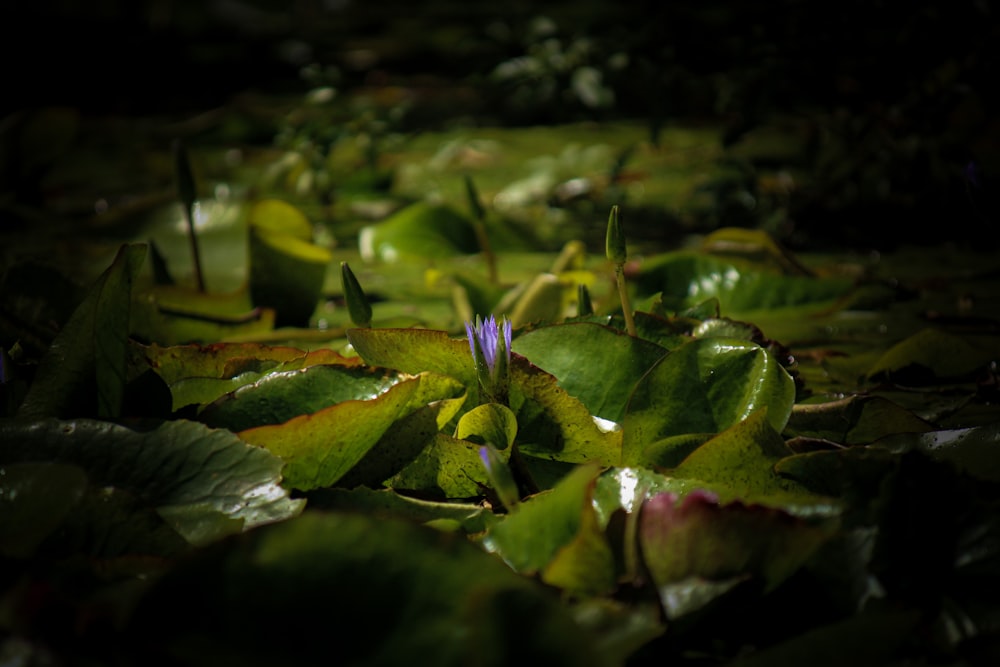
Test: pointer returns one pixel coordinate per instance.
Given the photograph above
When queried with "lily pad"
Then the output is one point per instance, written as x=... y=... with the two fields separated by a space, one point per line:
x=421 y=230
x=596 y=364
x=556 y=533
x=188 y=471
x=705 y=386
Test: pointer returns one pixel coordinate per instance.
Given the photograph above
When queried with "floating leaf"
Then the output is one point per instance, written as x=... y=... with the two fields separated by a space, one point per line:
x=686 y=279
x=471 y=518
x=318 y=449
x=277 y=397
x=391 y=591
x=853 y=420
x=739 y=464
x=446 y=468
x=705 y=386
x=87 y=359
x=557 y=534
x=421 y=230
x=596 y=364
x=932 y=354
x=186 y=469
x=698 y=537
x=554 y=425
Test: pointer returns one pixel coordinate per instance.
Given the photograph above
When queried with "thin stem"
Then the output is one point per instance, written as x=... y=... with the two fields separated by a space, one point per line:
x=626 y=302
x=199 y=277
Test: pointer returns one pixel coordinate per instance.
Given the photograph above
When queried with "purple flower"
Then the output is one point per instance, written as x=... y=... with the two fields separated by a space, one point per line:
x=491 y=354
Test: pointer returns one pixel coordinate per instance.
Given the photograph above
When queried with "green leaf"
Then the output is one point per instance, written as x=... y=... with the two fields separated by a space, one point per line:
x=687 y=279
x=229 y=360
x=87 y=359
x=446 y=468
x=554 y=425
x=287 y=270
x=556 y=533
x=855 y=420
x=596 y=364
x=932 y=354
x=422 y=231
x=390 y=592
x=415 y=351
x=739 y=464
x=277 y=397
x=318 y=449
x=183 y=468
x=490 y=422
x=698 y=537
x=705 y=386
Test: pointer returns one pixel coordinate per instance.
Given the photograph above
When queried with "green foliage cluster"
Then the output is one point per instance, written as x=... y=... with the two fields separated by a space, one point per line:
x=693 y=494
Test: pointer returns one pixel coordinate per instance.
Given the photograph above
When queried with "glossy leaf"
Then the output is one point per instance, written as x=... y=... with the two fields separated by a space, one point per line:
x=277 y=397
x=686 y=279
x=706 y=386
x=556 y=533
x=191 y=473
x=421 y=230
x=739 y=464
x=490 y=422
x=596 y=364
x=469 y=517
x=319 y=448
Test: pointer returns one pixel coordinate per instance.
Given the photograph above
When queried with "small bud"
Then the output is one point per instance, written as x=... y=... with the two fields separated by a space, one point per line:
x=357 y=303
x=615 y=242
x=500 y=476
x=584 y=306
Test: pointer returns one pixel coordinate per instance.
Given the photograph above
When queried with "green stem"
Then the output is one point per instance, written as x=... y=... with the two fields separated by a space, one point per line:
x=626 y=302
x=199 y=277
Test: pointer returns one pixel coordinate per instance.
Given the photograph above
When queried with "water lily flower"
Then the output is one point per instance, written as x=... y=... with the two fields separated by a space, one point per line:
x=490 y=346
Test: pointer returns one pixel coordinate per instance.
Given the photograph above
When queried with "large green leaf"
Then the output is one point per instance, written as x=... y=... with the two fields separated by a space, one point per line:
x=277 y=397
x=596 y=364
x=703 y=387
x=556 y=533
x=421 y=230
x=554 y=425
x=87 y=359
x=446 y=468
x=686 y=279
x=205 y=482
x=739 y=464
x=35 y=497
x=349 y=589
x=415 y=351
x=318 y=449
x=698 y=537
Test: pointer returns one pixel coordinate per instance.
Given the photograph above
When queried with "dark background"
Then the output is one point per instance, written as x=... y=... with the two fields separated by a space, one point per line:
x=906 y=89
